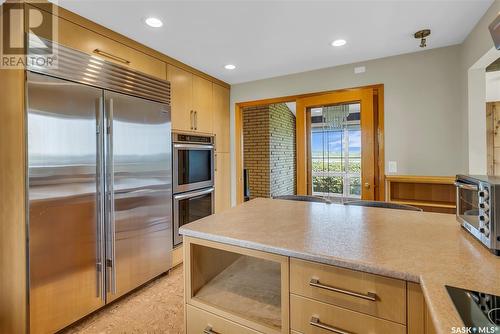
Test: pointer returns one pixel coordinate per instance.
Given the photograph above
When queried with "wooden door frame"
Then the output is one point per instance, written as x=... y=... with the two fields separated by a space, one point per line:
x=301 y=137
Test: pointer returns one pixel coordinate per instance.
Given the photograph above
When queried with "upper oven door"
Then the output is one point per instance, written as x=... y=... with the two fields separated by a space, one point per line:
x=468 y=210
x=193 y=166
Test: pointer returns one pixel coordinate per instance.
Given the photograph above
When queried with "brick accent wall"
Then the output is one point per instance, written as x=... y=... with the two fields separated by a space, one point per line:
x=256 y=150
x=269 y=150
x=282 y=150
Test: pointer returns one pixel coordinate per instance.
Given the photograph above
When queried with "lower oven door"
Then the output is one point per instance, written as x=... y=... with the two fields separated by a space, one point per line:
x=191 y=206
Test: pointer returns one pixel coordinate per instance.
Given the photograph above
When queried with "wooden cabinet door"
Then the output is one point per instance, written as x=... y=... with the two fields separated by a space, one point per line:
x=221 y=118
x=90 y=42
x=222 y=182
x=181 y=87
x=202 y=104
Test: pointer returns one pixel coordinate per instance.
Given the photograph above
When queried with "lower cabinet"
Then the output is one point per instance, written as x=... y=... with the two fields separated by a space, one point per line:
x=199 y=321
x=231 y=289
x=308 y=316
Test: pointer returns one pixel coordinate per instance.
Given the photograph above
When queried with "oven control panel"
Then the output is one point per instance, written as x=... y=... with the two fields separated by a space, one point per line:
x=484 y=210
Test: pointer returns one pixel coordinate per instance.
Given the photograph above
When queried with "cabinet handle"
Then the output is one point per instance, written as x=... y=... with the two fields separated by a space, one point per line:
x=215 y=162
x=316 y=323
x=209 y=330
x=196 y=120
x=314 y=282
x=191 y=120
x=111 y=56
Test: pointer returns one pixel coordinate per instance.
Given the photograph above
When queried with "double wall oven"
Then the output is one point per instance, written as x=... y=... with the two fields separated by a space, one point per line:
x=193 y=179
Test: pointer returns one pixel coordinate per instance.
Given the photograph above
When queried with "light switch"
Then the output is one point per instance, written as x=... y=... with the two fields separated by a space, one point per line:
x=393 y=167
x=359 y=69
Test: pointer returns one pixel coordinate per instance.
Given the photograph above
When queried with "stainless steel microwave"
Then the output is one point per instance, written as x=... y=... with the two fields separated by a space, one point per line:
x=193 y=162
x=478 y=208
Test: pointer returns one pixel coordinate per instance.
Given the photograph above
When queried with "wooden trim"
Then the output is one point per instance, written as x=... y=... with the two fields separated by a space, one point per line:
x=108 y=33
x=421 y=179
x=238 y=149
x=13 y=232
x=301 y=133
x=380 y=143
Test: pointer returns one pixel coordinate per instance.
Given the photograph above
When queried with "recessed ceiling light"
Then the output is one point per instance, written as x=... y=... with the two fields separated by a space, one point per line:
x=229 y=67
x=153 y=22
x=339 y=42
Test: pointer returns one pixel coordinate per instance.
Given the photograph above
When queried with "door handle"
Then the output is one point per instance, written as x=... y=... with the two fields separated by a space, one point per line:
x=314 y=282
x=209 y=330
x=367 y=185
x=317 y=323
x=111 y=260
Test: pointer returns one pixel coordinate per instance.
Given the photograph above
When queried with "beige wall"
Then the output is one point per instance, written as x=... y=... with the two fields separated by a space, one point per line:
x=477 y=52
x=423 y=115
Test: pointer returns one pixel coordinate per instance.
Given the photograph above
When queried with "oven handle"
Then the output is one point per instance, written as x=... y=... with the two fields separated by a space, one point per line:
x=194 y=194
x=466 y=186
x=197 y=146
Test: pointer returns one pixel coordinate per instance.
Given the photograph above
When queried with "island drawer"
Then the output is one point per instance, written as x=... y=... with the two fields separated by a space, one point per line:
x=308 y=316
x=199 y=321
x=375 y=295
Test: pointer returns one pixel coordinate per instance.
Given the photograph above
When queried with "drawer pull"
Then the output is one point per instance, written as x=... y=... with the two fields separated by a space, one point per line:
x=208 y=330
x=111 y=56
x=316 y=323
x=314 y=282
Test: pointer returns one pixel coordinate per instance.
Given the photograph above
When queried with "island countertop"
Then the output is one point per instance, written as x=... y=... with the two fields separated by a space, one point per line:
x=428 y=248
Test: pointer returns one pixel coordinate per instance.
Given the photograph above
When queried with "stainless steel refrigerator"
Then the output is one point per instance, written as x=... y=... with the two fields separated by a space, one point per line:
x=99 y=184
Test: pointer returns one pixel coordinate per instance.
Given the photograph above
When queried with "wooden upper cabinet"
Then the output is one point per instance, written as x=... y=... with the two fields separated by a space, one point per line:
x=221 y=118
x=191 y=101
x=202 y=104
x=82 y=39
x=181 y=87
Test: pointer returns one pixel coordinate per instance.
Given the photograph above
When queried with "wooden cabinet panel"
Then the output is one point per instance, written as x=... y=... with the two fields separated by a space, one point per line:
x=202 y=104
x=177 y=255
x=181 y=86
x=389 y=299
x=304 y=310
x=222 y=182
x=199 y=321
x=82 y=39
x=221 y=118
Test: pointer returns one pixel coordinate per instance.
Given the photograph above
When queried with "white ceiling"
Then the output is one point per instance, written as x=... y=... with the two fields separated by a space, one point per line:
x=271 y=38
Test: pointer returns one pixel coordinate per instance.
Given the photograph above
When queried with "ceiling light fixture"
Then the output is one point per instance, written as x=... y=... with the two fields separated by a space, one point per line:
x=422 y=35
x=339 y=42
x=153 y=22
x=229 y=67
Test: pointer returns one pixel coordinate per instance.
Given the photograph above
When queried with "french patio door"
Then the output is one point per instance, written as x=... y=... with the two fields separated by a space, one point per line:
x=337 y=150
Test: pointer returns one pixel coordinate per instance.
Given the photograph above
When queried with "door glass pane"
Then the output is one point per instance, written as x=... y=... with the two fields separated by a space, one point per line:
x=336 y=151
x=194 y=208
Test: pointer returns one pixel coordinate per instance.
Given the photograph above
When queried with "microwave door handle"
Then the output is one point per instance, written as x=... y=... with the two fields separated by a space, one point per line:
x=466 y=186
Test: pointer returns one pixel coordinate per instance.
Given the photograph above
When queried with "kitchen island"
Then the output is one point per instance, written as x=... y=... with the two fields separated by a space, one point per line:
x=276 y=266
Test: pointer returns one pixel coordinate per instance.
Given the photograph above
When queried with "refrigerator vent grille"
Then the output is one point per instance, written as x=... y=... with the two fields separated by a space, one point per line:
x=92 y=70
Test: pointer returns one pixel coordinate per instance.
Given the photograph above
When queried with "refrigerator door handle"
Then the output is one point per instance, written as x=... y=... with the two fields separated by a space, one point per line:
x=110 y=261
x=101 y=252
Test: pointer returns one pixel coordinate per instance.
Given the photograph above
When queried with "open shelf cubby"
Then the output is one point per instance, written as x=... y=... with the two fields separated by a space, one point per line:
x=245 y=286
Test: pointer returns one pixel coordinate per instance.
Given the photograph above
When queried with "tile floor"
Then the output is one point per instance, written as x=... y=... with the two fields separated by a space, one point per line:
x=155 y=308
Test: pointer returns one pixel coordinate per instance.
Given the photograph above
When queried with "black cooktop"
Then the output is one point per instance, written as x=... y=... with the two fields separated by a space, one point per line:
x=479 y=311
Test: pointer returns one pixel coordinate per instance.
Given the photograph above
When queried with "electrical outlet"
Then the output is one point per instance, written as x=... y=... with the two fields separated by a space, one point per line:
x=393 y=167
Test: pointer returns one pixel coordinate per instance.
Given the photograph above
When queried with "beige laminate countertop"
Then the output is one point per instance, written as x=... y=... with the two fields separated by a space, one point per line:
x=429 y=248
